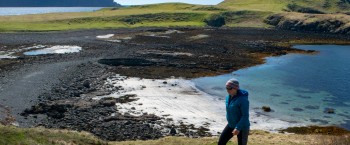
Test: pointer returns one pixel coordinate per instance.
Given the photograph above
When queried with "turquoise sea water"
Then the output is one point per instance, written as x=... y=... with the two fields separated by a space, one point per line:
x=4 y=11
x=297 y=87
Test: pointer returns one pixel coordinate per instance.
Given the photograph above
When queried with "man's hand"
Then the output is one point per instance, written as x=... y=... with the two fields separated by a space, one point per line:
x=235 y=132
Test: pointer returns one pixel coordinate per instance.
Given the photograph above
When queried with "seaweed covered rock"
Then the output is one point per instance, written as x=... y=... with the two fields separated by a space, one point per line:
x=327 y=130
x=266 y=108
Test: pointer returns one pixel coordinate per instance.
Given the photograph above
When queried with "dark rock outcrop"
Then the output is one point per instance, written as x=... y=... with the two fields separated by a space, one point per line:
x=301 y=9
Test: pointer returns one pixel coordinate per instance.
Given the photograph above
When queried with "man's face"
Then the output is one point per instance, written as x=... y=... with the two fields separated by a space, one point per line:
x=231 y=90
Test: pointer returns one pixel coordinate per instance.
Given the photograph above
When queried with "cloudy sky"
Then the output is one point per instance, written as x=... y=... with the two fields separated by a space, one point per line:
x=141 y=2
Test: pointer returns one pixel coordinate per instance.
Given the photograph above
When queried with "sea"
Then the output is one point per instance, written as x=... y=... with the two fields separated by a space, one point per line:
x=7 y=11
x=299 y=88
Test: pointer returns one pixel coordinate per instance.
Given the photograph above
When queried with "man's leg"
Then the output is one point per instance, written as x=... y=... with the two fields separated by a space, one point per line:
x=225 y=136
x=243 y=137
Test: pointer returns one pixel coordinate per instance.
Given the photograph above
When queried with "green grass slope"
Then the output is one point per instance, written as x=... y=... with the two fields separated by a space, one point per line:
x=155 y=15
x=10 y=135
x=128 y=21
x=255 y=5
x=326 y=6
x=236 y=13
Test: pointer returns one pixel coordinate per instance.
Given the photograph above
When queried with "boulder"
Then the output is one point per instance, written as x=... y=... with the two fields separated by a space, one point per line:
x=266 y=108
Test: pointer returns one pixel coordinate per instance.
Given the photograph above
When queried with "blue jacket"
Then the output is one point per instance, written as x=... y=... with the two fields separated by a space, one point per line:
x=237 y=111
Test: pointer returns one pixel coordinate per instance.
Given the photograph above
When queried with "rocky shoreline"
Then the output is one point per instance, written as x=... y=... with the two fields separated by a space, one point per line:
x=57 y=90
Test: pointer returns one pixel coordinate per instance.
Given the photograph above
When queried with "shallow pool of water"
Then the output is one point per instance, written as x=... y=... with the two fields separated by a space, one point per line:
x=54 y=49
x=105 y=36
x=9 y=54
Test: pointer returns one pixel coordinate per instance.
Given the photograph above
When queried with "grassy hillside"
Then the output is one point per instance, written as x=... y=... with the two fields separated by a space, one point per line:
x=156 y=19
x=158 y=15
x=236 y=13
x=255 y=5
x=330 y=23
x=13 y=135
x=162 y=15
x=107 y=12
x=326 y=6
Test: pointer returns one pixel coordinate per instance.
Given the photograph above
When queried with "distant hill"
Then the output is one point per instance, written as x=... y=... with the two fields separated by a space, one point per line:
x=304 y=6
x=58 y=3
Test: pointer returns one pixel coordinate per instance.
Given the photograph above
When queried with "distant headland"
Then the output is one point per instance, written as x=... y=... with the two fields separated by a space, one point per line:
x=58 y=3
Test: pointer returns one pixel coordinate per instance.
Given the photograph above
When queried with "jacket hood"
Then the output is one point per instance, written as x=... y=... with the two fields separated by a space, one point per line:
x=242 y=93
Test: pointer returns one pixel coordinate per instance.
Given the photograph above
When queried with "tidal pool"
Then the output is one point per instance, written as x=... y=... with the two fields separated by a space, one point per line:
x=55 y=49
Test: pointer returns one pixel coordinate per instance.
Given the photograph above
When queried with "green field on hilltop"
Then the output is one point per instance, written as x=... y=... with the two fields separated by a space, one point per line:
x=237 y=13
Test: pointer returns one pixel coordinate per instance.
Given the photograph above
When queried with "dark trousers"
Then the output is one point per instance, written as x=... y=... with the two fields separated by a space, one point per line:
x=226 y=135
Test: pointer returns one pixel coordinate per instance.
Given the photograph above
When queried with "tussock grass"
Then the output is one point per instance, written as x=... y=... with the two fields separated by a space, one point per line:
x=29 y=136
x=13 y=135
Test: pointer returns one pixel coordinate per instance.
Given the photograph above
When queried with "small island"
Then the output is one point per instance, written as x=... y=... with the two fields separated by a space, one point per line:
x=58 y=3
